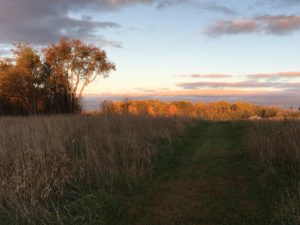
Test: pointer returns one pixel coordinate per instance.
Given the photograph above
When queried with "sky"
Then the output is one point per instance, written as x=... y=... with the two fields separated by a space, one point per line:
x=198 y=50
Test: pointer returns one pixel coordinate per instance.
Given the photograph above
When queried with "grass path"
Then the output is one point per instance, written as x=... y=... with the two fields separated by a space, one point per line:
x=209 y=181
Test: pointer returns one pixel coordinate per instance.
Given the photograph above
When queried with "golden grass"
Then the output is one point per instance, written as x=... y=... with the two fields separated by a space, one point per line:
x=41 y=157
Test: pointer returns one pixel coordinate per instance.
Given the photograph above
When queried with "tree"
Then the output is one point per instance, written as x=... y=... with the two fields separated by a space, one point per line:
x=172 y=110
x=6 y=105
x=52 y=82
x=24 y=79
x=185 y=108
x=200 y=109
x=107 y=107
x=78 y=64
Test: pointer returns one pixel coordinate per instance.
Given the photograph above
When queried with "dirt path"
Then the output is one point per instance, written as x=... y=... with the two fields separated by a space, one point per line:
x=211 y=182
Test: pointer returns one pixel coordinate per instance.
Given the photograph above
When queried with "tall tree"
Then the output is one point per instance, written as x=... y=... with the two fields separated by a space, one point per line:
x=78 y=63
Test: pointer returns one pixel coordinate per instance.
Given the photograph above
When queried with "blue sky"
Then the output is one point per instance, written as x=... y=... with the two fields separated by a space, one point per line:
x=247 y=49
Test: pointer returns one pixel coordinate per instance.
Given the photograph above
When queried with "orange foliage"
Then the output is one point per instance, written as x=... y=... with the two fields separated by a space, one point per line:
x=132 y=109
x=221 y=110
x=150 y=111
x=172 y=110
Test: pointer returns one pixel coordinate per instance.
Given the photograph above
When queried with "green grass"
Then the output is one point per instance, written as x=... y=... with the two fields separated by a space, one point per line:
x=208 y=180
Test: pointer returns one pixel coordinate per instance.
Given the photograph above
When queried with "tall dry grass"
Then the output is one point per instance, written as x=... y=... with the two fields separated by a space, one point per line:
x=276 y=146
x=43 y=157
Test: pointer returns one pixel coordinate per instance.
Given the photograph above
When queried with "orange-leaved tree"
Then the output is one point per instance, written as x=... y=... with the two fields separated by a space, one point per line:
x=79 y=64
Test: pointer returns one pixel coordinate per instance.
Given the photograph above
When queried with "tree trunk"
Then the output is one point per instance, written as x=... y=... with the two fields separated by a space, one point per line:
x=34 y=104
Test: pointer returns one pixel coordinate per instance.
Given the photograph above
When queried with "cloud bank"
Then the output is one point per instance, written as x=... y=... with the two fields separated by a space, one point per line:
x=242 y=84
x=251 y=81
x=206 y=75
x=43 y=21
x=275 y=75
x=276 y=25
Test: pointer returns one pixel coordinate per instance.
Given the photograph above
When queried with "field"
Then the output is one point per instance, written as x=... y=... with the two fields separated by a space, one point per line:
x=275 y=147
x=142 y=170
x=188 y=115
x=63 y=169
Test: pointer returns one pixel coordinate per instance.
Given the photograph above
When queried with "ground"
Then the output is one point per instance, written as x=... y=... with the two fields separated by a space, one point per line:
x=209 y=180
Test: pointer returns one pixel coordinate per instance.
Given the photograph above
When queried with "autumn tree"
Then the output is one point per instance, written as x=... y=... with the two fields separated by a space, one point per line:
x=172 y=110
x=6 y=105
x=5 y=65
x=77 y=64
x=200 y=109
x=50 y=81
x=24 y=79
x=107 y=107
x=185 y=108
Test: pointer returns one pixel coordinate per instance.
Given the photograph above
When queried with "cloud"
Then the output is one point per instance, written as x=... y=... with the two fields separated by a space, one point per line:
x=276 y=75
x=279 y=24
x=42 y=22
x=232 y=27
x=3 y=52
x=241 y=84
x=154 y=90
x=260 y=80
x=276 y=25
x=163 y=4
x=286 y=3
x=206 y=75
x=217 y=8
x=210 y=6
x=103 y=41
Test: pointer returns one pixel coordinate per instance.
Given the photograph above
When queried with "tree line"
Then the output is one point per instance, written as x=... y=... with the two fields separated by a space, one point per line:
x=50 y=80
x=221 y=110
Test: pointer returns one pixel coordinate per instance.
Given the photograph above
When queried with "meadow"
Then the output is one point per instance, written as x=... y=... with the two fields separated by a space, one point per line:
x=275 y=147
x=142 y=161
x=148 y=170
x=48 y=164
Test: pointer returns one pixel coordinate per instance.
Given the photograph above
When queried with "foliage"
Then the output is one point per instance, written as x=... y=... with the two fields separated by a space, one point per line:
x=50 y=82
x=221 y=110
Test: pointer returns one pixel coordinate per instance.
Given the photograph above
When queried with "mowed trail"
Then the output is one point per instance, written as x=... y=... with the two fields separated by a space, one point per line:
x=211 y=181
